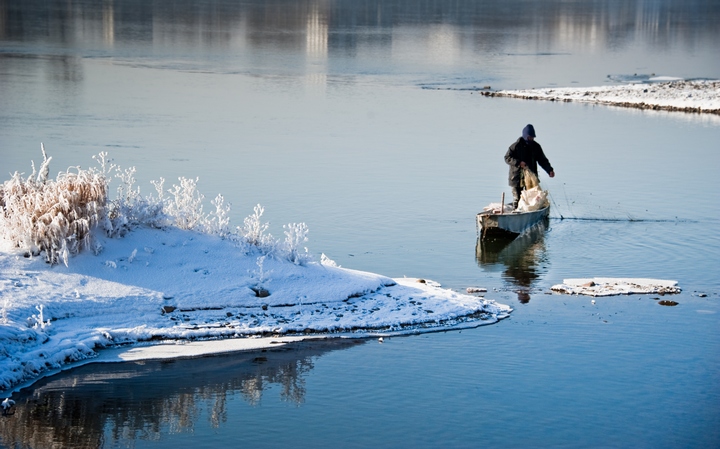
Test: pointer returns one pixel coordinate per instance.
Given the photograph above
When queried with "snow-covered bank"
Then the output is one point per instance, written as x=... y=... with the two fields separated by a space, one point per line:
x=155 y=285
x=700 y=96
x=80 y=272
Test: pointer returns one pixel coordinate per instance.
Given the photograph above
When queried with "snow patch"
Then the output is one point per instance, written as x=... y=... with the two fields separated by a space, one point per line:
x=616 y=286
x=664 y=93
x=201 y=289
x=195 y=279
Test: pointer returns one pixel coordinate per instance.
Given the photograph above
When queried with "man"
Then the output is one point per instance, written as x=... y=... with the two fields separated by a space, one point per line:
x=525 y=153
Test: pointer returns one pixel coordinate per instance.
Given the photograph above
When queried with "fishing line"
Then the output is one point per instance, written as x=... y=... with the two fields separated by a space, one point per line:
x=555 y=204
x=567 y=201
x=630 y=220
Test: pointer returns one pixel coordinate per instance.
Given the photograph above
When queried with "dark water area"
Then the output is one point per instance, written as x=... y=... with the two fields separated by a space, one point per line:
x=363 y=120
x=562 y=375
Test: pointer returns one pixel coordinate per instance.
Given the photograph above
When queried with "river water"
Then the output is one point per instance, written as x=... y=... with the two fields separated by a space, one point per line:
x=363 y=120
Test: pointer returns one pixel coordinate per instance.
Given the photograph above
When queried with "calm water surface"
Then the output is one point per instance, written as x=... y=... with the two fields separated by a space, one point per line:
x=362 y=119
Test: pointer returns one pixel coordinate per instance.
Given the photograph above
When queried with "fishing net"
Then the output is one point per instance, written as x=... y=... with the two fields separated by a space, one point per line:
x=529 y=179
x=533 y=197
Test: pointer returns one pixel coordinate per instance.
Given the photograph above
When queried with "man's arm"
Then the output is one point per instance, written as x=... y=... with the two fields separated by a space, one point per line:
x=544 y=162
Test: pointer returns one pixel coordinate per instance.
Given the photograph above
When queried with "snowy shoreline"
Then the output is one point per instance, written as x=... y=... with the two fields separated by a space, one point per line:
x=695 y=96
x=159 y=293
x=84 y=277
x=87 y=279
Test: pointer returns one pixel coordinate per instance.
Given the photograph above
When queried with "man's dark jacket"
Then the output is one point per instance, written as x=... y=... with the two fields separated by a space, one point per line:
x=529 y=152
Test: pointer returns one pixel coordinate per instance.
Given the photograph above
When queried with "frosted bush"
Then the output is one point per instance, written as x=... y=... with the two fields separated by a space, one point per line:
x=260 y=275
x=220 y=223
x=127 y=194
x=295 y=236
x=254 y=230
x=39 y=215
x=105 y=166
x=129 y=204
x=129 y=208
x=38 y=321
x=186 y=206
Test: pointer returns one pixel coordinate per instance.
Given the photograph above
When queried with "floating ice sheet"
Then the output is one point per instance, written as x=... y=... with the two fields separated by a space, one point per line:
x=616 y=286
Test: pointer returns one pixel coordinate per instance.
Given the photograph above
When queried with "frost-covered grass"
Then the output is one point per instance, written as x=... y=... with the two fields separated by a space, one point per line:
x=56 y=217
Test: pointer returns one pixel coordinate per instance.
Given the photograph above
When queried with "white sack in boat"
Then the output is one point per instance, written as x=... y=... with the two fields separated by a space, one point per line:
x=532 y=199
x=616 y=286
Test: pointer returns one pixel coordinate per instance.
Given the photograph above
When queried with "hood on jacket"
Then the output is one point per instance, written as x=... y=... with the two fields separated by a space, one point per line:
x=528 y=131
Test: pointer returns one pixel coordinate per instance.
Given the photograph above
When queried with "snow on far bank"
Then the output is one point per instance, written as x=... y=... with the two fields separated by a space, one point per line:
x=155 y=285
x=616 y=286
x=661 y=93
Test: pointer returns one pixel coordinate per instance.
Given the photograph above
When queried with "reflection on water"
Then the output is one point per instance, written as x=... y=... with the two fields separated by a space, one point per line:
x=102 y=403
x=380 y=35
x=218 y=22
x=522 y=259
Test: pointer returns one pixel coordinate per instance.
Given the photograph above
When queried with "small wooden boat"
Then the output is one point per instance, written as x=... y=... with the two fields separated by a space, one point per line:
x=519 y=255
x=498 y=223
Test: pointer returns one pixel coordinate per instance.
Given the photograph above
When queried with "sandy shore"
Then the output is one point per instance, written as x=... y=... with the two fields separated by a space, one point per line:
x=699 y=96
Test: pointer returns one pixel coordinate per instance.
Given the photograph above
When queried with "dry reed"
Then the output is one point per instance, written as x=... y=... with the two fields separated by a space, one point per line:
x=54 y=217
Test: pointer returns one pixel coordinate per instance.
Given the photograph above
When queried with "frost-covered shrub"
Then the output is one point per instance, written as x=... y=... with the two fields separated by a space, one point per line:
x=52 y=216
x=129 y=208
x=220 y=223
x=253 y=230
x=295 y=236
x=186 y=205
x=56 y=217
x=38 y=321
x=262 y=277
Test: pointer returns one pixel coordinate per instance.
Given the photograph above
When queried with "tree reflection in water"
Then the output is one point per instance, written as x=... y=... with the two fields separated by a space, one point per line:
x=523 y=259
x=89 y=405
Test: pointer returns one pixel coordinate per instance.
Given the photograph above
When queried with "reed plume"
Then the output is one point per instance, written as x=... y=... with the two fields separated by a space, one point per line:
x=54 y=217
